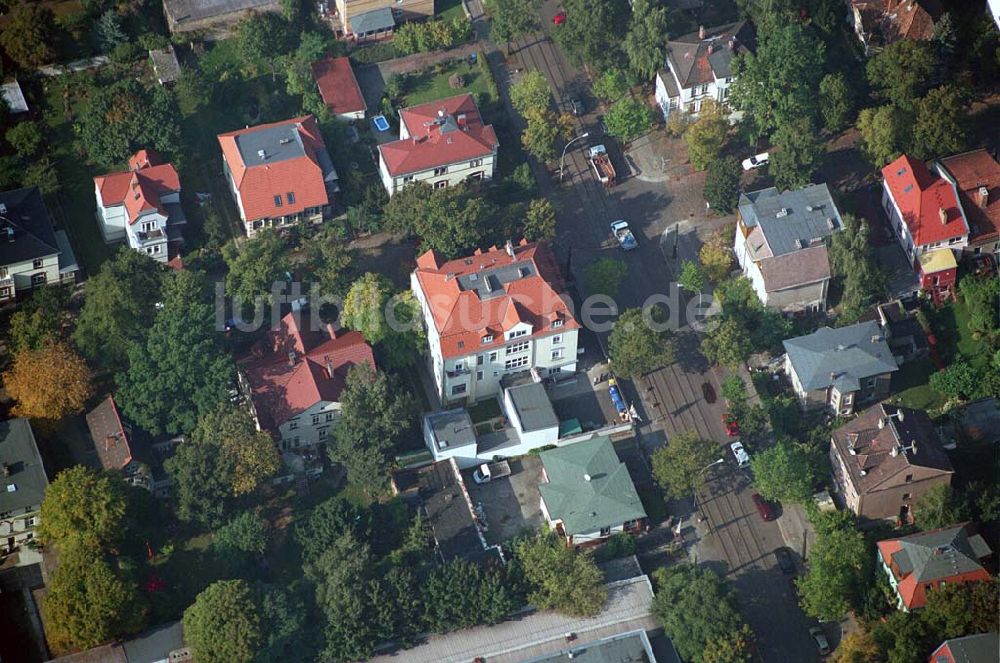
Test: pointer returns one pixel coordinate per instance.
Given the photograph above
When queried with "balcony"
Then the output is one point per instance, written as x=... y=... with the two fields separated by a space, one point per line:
x=150 y=236
x=458 y=372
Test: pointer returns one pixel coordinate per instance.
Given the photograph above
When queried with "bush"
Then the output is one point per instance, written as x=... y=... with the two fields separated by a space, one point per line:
x=620 y=545
x=378 y=52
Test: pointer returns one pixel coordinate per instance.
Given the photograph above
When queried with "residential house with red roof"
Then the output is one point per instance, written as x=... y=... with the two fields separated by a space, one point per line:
x=920 y=563
x=442 y=143
x=119 y=450
x=339 y=88
x=878 y=23
x=294 y=382
x=142 y=206
x=976 y=175
x=494 y=313
x=280 y=174
x=978 y=648
x=926 y=217
x=886 y=460
x=700 y=66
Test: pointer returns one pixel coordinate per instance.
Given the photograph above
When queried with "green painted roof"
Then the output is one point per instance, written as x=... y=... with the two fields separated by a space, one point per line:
x=606 y=499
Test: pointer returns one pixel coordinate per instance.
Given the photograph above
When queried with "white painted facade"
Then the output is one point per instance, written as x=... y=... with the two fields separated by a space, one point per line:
x=440 y=176
x=529 y=439
x=254 y=226
x=29 y=274
x=902 y=232
x=690 y=100
x=309 y=428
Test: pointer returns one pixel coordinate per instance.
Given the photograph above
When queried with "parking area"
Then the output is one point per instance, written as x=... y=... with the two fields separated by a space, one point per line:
x=511 y=505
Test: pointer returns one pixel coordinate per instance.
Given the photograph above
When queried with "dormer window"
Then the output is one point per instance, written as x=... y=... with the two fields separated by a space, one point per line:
x=291 y=197
x=516 y=333
x=557 y=323
x=488 y=338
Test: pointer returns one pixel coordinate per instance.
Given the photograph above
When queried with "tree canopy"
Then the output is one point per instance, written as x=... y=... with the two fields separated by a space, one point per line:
x=84 y=504
x=592 y=31
x=604 y=276
x=628 y=119
x=679 y=466
x=449 y=221
x=836 y=102
x=936 y=133
x=885 y=133
x=255 y=267
x=797 y=155
x=241 y=539
x=38 y=321
x=645 y=43
x=48 y=384
x=509 y=19
x=252 y=452
x=559 y=577
x=903 y=71
x=784 y=472
x=223 y=625
x=202 y=483
x=28 y=36
x=716 y=254
x=180 y=371
x=696 y=609
x=540 y=220
x=852 y=261
x=706 y=135
x=531 y=93
x=722 y=185
x=635 y=347
x=836 y=569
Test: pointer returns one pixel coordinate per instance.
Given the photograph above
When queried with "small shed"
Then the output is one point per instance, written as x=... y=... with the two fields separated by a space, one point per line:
x=166 y=68
x=14 y=97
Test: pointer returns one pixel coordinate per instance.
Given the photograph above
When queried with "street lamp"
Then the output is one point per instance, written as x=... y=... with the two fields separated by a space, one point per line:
x=563 y=157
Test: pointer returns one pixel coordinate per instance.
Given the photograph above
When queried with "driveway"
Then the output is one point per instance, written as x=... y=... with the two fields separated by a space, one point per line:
x=512 y=504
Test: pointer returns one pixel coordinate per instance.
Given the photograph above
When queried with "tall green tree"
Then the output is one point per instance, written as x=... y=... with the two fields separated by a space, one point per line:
x=885 y=133
x=722 y=184
x=902 y=71
x=612 y=85
x=836 y=102
x=531 y=93
x=180 y=371
x=779 y=82
x=628 y=119
x=958 y=609
x=371 y=423
x=328 y=264
x=255 y=267
x=837 y=567
x=784 y=472
x=449 y=221
x=223 y=625
x=286 y=628
x=88 y=602
x=252 y=452
x=692 y=277
x=320 y=527
x=707 y=135
x=202 y=483
x=635 y=346
x=797 y=156
x=39 y=321
x=241 y=539
x=679 y=466
x=447 y=607
x=645 y=44
x=262 y=38
x=540 y=221
x=937 y=133
x=939 y=507
x=695 y=607
x=26 y=138
x=852 y=261
x=119 y=307
x=29 y=33
x=364 y=307
x=123 y=117
x=510 y=19
x=86 y=505
x=734 y=648
x=605 y=276
x=592 y=31
x=559 y=577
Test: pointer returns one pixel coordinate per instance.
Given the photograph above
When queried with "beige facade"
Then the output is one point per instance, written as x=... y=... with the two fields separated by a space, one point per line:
x=441 y=176
x=402 y=10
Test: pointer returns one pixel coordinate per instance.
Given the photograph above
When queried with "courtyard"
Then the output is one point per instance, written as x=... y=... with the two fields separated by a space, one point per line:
x=510 y=505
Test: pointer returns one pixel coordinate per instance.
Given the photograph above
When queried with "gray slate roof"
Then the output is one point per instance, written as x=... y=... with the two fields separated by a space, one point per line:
x=377 y=19
x=490 y=282
x=690 y=58
x=791 y=220
x=279 y=143
x=979 y=648
x=19 y=452
x=632 y=647
x=840 y=357
x=452 y=428
x=13 y=97
x=33 y=233
x=533 y=407
x=941 y=553
x=165 y=64
x=607 y=499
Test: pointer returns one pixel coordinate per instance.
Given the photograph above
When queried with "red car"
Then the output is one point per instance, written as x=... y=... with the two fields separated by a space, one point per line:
x=559 y=18
x=763 y=508
x=732 y=428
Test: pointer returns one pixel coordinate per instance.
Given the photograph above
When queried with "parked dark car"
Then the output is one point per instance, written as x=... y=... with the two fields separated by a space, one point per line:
x=785 y=561
x=708 y=391
x=763 y=508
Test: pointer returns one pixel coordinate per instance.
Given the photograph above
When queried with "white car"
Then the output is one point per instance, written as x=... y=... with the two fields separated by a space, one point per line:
x=756 y=161
x=742 y=457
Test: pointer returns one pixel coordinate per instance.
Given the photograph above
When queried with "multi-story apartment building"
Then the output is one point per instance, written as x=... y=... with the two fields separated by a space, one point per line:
x=493 y=313
x=280 y=174
x=442 y=143
x=142 y=206
x=24 y=484
x=32 y=253
x=700 y=66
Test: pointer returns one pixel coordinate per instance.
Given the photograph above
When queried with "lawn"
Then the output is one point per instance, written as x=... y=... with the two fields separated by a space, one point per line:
x=450 y=9
x=421 y=88
x=909 y=384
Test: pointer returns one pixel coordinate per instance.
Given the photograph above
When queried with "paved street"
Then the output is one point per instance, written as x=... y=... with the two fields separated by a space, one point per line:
x=667 y=212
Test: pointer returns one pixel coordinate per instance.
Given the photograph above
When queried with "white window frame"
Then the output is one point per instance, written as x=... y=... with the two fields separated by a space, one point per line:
x=516 y=362
x=517 y=348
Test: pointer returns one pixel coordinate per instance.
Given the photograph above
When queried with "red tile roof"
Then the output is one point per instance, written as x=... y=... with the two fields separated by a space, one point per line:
x=910 y=19
x=920 y=197
x=258 y=182
x=337 y=85
x=440 y=133
x=974 y=172
x=109 y=436
x=285 y=385
x=139 y=189
x=463 y=318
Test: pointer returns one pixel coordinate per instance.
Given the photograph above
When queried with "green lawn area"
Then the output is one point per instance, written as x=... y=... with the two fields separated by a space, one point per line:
x=909 y=384
x=430 y=85
x=450 y=9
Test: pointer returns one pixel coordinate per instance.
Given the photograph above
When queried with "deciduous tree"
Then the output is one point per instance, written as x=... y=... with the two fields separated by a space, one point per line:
x=84 y=504
x=592 y=31
x=604 y=276
x=88 y=602
x=852 y=261
x=531 y=93
x=784 y=472
x=256 y=267
x=691 y=278
x=902 y=71
x=939 y=507
x=119 y=307
x=957 y=609
x=628 y=119
x=509 y=19
x=885 y=133
x=320 y=527
x=252 y=452
x=540 y=221
x=180 y=372
x=223 y=625
x=716 y=255
x=678 y=465
x=612 y=85
x=645 y=43
x=638 y=344
x=934 y=132
x=541 y=135
x=25 y=138
x=727 y=343
x=836 y=569
x=695 y=607
x=857 y=647
x=29 y=34
x=733 y=648
x=706 y=136
x=449 y=221
x=836 y=102
x=364 y=304
x=560 y=578
x=797 y=156
x=262 y=38
x=39 y=320
x=202 y=483
x=241 y=539
x=48 y=384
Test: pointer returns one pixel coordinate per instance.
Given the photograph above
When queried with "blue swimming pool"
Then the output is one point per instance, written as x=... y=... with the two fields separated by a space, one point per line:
x=381 y=124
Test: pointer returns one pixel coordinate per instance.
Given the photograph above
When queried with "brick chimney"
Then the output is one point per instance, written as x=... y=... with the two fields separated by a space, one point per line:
x=701 y=32
x=331 y=330
x=943 y=215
